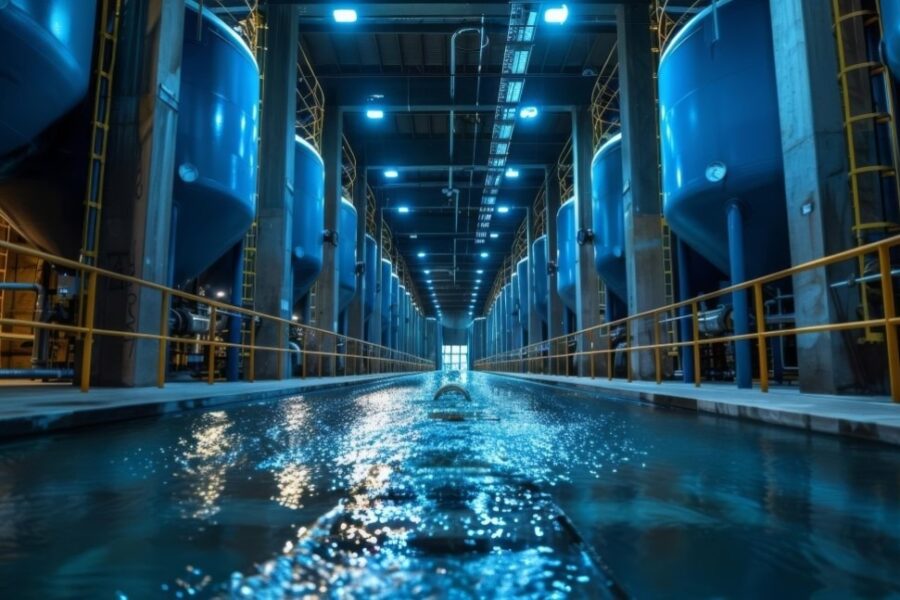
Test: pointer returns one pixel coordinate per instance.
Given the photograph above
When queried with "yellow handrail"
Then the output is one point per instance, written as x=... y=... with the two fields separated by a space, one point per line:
x=383 y=359
x=524 y=358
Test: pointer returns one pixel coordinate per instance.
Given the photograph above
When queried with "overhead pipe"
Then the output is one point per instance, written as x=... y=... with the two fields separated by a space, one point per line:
x=37 y=373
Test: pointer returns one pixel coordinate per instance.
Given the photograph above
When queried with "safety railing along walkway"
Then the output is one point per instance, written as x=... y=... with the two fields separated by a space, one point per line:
x=353 y=357
x=560 y=355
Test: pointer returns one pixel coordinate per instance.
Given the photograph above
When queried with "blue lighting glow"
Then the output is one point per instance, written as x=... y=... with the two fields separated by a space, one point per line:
x=391 y=173
x=421 y=255
x=556 y=14
x=502 y=209
x=344 y=15
x=494 y=236
x=528 y=112
x=375 y=113
x=403 y=209
x=512 y=173
x=484 y=255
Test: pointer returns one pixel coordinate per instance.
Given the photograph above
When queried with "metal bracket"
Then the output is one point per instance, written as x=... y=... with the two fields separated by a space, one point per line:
x=330 y=236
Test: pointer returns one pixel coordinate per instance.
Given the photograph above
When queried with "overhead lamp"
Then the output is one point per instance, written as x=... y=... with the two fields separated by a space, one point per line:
x=344 y=15
x=428 y=272
x=428 y=282
x=494 y=236
x=528 y=112
x=403 y=209
x=512 y=173
x=503 y=209
x=414 y=236
x=556 y=14
x=375 y=113
x=220 y=294
x=421 y=255
x=484 y=255
x=390 y=173
x=480 y=271
x=478 y=280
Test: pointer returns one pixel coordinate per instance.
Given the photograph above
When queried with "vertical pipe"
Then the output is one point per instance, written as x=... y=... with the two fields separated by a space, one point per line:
x=740 y=314
x=233 y=353
x=684 y=324
x=211 y=355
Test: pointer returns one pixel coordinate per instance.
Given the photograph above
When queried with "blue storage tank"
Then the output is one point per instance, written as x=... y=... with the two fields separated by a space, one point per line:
x=567 y=254
x=514 y=298
x=386 y=281
x=346 y=254
x=524 y=305
x=47 y=46
x=609 y=216
x=890 y=20
x=721 y=135
x=214 y=197
x=371 y=275
x=401 y=319
x=507 y=324
x=541 y=284
x=309 y=216
x=395 y=309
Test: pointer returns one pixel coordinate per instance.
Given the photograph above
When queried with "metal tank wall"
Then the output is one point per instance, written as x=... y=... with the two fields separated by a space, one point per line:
x=567 y=254
x=524 y=304
x=309 y=216
x=609 y=217
x=395 y=311
x=541 y=282
x=371 y=276
x=214 y=196
x=721 y=138
x=401 y=319
x=346 y=254
x=890 y=20
x=386 y=295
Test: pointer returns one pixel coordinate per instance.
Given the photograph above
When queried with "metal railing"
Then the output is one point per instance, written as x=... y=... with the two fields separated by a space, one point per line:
x=560 y=355
x=357 y=356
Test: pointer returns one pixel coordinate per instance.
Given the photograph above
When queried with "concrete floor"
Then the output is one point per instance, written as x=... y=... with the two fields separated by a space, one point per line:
x=867 y=417
x=30 y=408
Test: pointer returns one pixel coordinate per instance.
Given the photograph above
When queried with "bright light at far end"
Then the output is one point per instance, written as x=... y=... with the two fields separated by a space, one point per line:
x=556 y=14
x=512 y=173
x=480 y=271
x=528 y=112
x=502 y=209
x=391 y=173
x=345 y=15
x=484 y=255
x=421 y=255
x=375 y=113
x=403 y=209
x=494 y=236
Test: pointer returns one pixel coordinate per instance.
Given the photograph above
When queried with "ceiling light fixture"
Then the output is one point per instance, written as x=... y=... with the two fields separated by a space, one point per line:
x=391 y=173
x=375 y=113
x=528 y=112
x=556 y=14
x=344 y=15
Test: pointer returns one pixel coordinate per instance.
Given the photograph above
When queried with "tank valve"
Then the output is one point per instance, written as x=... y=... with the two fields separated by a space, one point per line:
x=360 y=268
x=585 y=236
x=551 y=268
x=330 y=236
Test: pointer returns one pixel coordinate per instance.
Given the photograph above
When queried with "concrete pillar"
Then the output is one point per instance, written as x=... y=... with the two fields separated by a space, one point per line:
x=640 y=178
x=274 y=287
x=136 y=218
x=555 y=322
x=815 y=170
x=356 y=318
x=587 y=285
x=327 y=295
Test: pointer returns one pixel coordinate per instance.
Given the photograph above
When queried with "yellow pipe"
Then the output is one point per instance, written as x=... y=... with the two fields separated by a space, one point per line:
x=761 y=339
x=887 y=292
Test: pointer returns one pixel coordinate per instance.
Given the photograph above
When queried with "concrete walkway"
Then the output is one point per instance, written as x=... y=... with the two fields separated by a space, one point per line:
x=38 y=408
x=867 y=417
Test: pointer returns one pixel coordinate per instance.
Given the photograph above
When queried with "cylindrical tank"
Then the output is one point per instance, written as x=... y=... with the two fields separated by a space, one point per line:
x=401 y=319
x=309 y=216
x=507 y=325
x=522 y=279
x=540 y=286
x=721 y=135
x=46 y=47
x=609 y=216
x=45 y=74
x=514 y=298
x=371 y=275
x=346 y=254
x=386 y=281
x=566 y=254
x=214 y=196
x=395 y=310
x=890 y=20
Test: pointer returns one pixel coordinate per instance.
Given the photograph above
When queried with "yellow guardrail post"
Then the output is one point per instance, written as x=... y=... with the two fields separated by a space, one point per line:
x=761 y=338
x=164 y=333
x=87 y=347
x=890 y=330
x=211 y=351
x=695 y=343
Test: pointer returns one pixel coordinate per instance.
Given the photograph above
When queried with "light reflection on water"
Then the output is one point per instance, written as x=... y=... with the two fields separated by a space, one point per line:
x=381 y=492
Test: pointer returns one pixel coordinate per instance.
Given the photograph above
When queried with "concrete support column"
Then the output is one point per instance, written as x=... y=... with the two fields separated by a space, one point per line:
x=274 y=287
x=356 y=317
x=327 y=294
x=640 y=177
x=815 y=170
x=136 y=219
x=555 y=321
x=587 y=285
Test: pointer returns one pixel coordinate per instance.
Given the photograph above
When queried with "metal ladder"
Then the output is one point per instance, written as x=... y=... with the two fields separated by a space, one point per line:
x=867 y=19
x=108 y=36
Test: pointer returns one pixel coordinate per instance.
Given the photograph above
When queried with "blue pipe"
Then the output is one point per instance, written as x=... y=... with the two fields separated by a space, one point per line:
x=740 y=314
x=232 y=355
x=685 y=329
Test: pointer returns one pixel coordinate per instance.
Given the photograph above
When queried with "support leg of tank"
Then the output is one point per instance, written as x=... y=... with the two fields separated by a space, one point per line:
x=740 y=314
x=685 y=329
